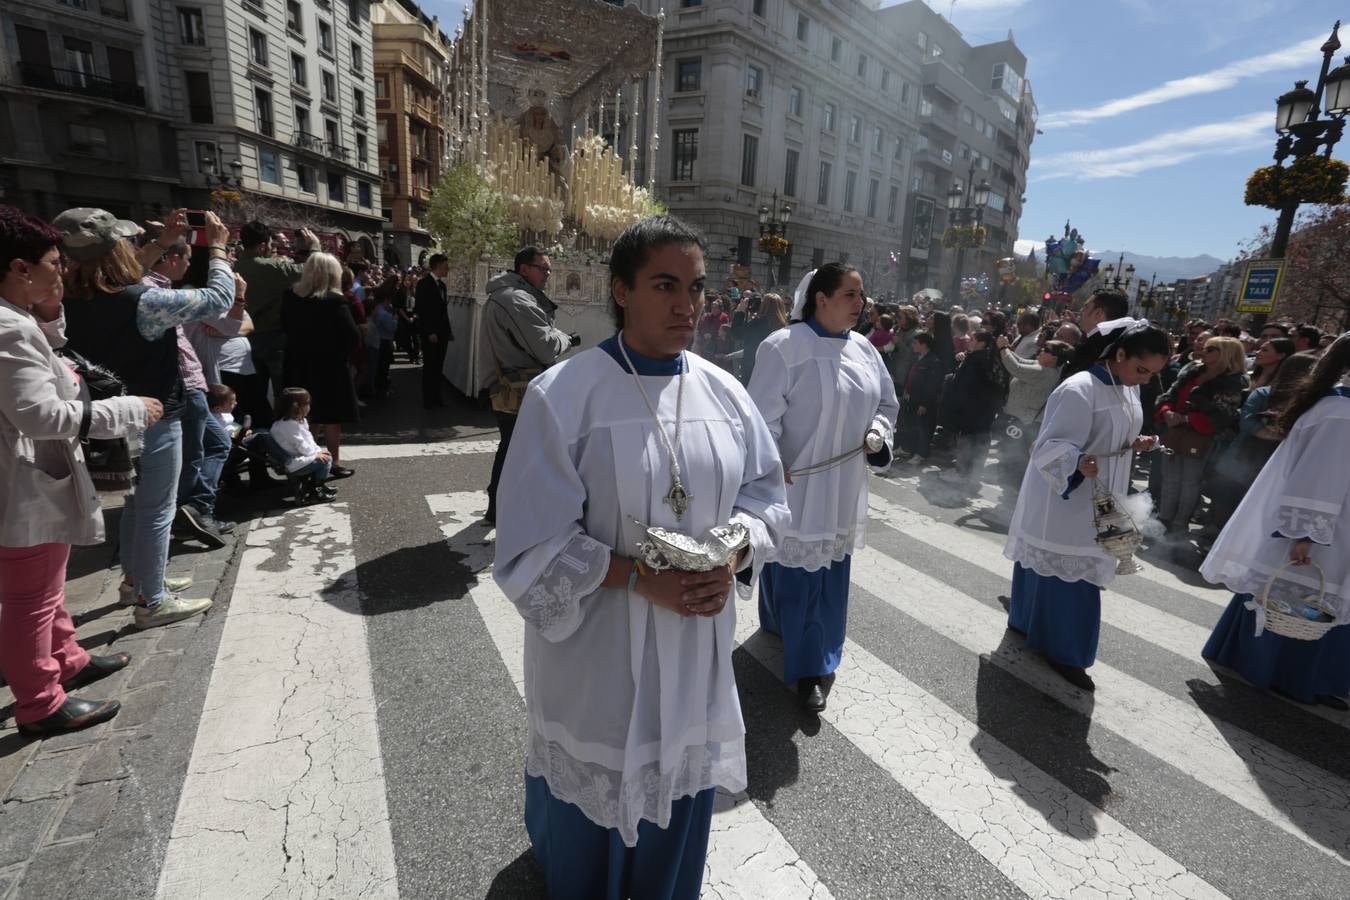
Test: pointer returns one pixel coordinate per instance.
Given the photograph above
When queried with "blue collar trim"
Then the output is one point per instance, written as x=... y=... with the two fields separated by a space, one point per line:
x=820 y=330
x=1341 y=390
x=1099 y=372
x=645 y=365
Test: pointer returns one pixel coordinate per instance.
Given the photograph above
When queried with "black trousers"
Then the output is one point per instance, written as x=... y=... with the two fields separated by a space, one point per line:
x=433 y=362
x=506 y=423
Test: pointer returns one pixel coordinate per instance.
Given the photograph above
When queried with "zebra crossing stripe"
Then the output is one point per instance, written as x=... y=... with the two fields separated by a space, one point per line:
x=747 y=856
x=1312 y=804
x=284 y=794
x=1044 y=838
x=351 y=452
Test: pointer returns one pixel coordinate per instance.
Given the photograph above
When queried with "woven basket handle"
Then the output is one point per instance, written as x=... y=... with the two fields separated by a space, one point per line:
x=1321 y=582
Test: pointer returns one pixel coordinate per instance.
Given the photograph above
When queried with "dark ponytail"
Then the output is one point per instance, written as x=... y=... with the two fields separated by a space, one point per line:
x=1325 y=374
x=826 y=281
x=1139 y=340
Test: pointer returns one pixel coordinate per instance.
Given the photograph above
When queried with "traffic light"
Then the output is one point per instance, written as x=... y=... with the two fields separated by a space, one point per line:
x=1046 y=296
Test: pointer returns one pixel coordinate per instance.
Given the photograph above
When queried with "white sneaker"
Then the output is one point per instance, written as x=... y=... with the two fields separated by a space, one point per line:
x=172 y=608
x=126 y=594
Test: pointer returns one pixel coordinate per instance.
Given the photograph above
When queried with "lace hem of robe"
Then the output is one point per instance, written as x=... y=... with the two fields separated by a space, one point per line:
x=1297 y=522
x=812 y=555
x=612 y=799
x=1048 y=564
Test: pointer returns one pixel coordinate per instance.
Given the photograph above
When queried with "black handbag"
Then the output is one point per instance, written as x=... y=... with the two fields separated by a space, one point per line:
x=107 y=459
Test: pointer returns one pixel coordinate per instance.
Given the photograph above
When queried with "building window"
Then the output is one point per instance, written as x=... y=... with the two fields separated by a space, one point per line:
x=892 y=203
x=829 y=117
x=836 y=48
x=855 y=129
x=885 y=81
x=803 y=27
x=899 y=146
x=262 y=102
x=862 y=65
x=935 y=49
x=688 y=3
x=688 y=75
x=88 y=139
x=823 y=188
x=360 y=149
x=904 y=94
x=749 y=153
x=363 y=194
x=795 y=101
x=294 y=19
x=269 y=169
x=199 y=98
x=754 y=80
x=302 y=119
x=354 y=11
x=257 y=44
x=790 y=173
x=873 y=189
x=686 y=151
x=325 y=38
x=381 y=89
x=309 y=182
x=878 y=140
x=967 y=115
x=335 y=189
x=117 y=9
x=359 y=103
x=357 y=57
x=1006 y=80
x=922 y=40
x=757 y=7
x=850 y=189
x=330 y=133
x=329 y=86
x=299 y=71
x=191 y=27
x=79 y=58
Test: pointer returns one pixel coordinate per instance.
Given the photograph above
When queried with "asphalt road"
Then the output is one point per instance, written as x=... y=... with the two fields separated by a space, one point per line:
x=353 y=726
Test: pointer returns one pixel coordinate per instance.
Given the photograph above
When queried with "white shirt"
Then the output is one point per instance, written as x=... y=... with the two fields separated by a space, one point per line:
x=1302 y=492
x=630 y=706
x=1053 y=535
x=820 y=396
x=294 y=437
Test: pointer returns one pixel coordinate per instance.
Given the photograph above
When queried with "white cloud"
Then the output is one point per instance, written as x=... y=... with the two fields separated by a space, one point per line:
x=1023 y=248
x=1166 y=149
x=1206 y=83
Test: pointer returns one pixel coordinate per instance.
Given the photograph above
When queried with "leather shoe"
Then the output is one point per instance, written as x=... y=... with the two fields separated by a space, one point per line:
x=1075 y=676
x=811 y=695
x=98 y=667
x=73 y=715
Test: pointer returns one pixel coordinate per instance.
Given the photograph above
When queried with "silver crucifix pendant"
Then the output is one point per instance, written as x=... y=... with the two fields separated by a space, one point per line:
x=678 y=499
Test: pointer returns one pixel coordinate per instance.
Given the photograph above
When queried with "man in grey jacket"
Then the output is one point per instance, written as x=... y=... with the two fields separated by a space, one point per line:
x=519 y=337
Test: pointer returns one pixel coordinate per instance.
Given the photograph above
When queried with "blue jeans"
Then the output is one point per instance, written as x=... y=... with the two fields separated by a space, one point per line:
x=206 y=446
x=148 y=512
x=318 y=470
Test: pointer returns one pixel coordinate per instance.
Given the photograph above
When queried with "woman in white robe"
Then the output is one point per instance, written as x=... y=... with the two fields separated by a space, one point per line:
x=633 y=715
x=1297 y=510
x=823 y=389
x=1090 y=432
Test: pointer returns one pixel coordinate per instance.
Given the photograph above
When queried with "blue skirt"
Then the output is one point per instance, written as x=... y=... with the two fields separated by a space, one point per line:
x=1061 y=619
x=1305 y=670
x=809 y=611
x=583 y=861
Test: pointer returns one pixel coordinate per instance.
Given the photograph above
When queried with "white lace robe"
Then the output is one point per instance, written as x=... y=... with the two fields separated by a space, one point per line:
x=630 y=705
x=820 y=396
x=1054 y=535
x=1302 y=492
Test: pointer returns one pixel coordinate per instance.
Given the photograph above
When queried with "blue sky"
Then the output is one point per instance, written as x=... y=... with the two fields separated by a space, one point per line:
x=1154 y=111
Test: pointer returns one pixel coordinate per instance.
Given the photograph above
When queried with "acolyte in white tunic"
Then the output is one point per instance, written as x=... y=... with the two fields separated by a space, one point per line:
x=630 y=706
x=820 y=396
x=1302 y=492
x=1052 y=535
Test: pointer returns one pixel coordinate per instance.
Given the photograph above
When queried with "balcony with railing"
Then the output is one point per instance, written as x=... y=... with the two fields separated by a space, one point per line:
x=310 y=143
x=73 y=81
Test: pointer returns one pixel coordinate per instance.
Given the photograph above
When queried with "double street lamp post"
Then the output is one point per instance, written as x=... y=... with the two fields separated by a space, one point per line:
x=1303 y=132
x=965 y=208
x=773 y=222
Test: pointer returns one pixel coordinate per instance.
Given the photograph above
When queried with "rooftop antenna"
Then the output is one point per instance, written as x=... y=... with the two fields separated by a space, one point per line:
x=951 y=11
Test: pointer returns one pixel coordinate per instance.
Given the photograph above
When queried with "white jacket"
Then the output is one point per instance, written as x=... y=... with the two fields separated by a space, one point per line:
x=46 y=495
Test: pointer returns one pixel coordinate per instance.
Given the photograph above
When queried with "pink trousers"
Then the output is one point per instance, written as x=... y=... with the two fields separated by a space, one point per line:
x=37 y=637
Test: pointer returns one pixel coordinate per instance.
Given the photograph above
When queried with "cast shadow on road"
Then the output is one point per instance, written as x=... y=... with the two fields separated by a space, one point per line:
x=1013 y=715
x=773 y=720
x=410 y=578
x=521 y=880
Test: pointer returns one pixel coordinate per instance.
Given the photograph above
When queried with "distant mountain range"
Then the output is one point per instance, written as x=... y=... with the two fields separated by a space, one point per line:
x=1169 y=268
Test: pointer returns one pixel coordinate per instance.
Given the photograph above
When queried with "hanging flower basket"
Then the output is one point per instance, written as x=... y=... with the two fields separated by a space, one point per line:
x=224 y=197
x=1310 y=179
x=773 y=244
x=966 y=236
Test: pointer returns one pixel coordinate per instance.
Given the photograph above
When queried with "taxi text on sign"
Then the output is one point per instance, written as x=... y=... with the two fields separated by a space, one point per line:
x=1261 y=286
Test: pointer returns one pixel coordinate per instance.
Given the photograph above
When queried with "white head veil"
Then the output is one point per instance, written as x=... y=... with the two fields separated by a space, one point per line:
x=799 y=296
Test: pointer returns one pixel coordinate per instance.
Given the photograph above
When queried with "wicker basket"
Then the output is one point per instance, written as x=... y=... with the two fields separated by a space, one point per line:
x=1291 y=624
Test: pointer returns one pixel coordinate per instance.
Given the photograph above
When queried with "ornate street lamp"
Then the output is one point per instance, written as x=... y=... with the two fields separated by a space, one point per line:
x=1118 y=276
x=773 y=223
x=965 y=209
